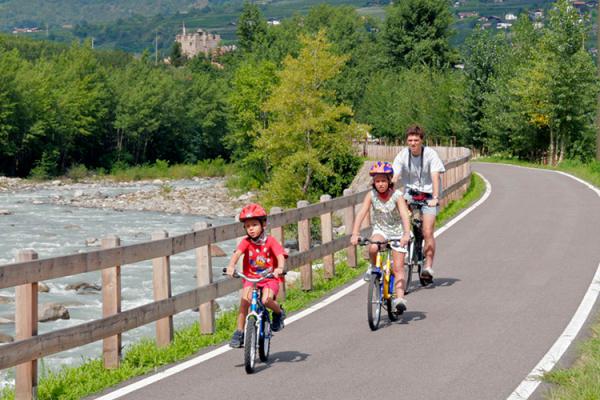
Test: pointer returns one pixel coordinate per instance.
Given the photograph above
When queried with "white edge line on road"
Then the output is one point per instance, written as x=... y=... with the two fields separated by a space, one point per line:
x=532 y=381
x=223 y=349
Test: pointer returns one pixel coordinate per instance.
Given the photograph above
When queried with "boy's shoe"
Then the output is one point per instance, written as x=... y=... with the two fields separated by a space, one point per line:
x=399 y=304
x=427 y=274
x=278 y=319
x=367 y=275
x=237 y=340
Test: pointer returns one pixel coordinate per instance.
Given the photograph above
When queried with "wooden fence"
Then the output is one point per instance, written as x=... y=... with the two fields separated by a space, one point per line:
x=28 y=270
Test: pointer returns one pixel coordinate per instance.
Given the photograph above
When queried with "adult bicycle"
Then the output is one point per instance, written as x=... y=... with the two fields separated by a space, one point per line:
x=257 y=328
x=415 y=257
x=381 y=282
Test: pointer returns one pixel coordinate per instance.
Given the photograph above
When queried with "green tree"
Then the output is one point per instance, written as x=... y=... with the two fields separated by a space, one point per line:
x=483 y=56
x=176 y=57
x=251 y=27
x=395 y=99
x=308 y=134
x=417 y=32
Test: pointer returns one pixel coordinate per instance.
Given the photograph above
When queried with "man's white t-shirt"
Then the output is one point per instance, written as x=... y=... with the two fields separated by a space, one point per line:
x=421 y=168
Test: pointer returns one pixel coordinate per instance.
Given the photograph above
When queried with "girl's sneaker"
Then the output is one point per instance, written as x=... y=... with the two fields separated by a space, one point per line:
x=367 y=275
x=399 y=304
x=237 y=340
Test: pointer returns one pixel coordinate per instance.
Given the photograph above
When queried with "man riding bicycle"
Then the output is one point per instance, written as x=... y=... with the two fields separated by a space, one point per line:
x=419 y=169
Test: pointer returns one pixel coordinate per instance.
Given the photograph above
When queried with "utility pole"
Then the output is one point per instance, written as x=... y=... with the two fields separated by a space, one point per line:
x=156 y=48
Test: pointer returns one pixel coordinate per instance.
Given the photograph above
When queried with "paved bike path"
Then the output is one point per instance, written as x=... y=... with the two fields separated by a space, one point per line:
x=509 y=278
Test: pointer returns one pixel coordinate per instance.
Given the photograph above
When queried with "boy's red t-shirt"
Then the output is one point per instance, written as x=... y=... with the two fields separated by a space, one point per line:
x=260 y=257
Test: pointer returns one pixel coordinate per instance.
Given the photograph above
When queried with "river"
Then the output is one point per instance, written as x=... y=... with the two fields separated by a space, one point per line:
x=36 y=223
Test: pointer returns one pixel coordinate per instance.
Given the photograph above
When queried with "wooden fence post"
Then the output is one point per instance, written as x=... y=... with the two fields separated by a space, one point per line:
x=326 y=237
x=277 y=233
x=161 y=280
x=26 y=321
x=204 y=277
x=304 y=245
x=349 y=223
x=111 y=304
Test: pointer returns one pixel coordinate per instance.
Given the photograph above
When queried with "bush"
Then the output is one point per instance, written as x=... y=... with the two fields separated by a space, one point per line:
x=77 y=172
x=46 y=167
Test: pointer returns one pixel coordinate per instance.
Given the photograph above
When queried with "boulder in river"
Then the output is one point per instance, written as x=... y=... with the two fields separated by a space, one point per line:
x=43 y=288
x=216 y=251
x=52 y=312
x=4 y=338
x=5 y=212
x=6 y=300
x=82 y=287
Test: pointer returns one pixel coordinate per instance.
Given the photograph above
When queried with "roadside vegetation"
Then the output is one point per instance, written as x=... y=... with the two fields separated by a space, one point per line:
x=582 y=380
x=144 y=357
x=519 y=94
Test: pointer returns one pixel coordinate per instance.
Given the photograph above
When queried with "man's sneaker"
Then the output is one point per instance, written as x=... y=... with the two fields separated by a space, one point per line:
x=427 y=274
x=237 y=340
x=399 y=304
x=367 y=275
x=278 y=321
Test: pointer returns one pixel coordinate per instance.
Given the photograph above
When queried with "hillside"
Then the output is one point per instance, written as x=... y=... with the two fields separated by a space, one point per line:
x=134 y=25
x=19 y=13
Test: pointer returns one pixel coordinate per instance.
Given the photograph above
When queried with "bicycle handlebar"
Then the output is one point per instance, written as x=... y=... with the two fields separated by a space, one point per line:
x=366 y=241
x=418 y=203
x=263 y=275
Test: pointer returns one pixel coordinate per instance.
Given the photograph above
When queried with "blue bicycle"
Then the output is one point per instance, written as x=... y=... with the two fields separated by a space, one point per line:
x=257 y=329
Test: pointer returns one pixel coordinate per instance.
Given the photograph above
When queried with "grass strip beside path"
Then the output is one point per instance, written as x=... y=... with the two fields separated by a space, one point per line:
x=582 y=380
x=70 y=383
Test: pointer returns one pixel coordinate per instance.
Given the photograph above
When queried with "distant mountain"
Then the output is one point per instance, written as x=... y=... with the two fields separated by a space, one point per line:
x=28 y=13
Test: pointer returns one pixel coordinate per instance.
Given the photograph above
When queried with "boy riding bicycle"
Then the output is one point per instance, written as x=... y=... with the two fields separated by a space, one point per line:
x=389 y=218
x=261 y=252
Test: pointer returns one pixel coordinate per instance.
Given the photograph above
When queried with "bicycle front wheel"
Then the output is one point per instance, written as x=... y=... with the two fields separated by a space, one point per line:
x=264 y=342
x=374 y=302
x=250 y=344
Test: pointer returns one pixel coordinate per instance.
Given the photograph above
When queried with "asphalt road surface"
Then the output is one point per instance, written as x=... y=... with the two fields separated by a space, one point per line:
x=509 y=277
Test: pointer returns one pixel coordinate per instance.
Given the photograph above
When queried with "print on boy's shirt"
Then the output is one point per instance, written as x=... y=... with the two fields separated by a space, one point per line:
x=260 y=257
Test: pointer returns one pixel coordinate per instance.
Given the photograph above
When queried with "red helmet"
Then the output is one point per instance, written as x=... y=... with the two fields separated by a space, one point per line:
x=253 y=211
x=381 y=167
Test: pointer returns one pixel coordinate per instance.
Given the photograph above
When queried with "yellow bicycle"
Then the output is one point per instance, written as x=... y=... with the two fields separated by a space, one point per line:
x=381 y=283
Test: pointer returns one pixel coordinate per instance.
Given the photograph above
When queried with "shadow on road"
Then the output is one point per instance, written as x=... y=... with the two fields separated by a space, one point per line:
x=437 y=282
x=281 y=357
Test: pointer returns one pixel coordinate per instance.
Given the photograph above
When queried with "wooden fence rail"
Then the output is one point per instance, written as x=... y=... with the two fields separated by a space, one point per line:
x=28 y=270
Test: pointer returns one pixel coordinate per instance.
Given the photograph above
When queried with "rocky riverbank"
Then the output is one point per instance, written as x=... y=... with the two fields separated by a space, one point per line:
x=200 y=196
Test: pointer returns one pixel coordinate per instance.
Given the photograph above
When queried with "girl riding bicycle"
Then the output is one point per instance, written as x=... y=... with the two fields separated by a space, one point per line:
x=261 y=252
x=389 y=218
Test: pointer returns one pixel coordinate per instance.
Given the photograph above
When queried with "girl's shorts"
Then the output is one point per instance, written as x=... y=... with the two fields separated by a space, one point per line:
x=272 y=284
x=394 y=246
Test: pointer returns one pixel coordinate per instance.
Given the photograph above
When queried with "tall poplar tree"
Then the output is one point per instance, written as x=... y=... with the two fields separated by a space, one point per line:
x=308 y=143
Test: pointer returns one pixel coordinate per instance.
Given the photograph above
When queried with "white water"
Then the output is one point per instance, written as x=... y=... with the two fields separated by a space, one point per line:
x=53 y=230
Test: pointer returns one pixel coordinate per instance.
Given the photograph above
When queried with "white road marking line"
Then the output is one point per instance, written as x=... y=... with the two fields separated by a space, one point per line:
x=223 y=349
x=532 y=381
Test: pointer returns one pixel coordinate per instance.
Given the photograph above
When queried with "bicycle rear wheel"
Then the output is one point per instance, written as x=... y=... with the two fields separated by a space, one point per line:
x=374 y=302
x=264 y=342
x=408 y=267
x=250 y=344
x=419 y=259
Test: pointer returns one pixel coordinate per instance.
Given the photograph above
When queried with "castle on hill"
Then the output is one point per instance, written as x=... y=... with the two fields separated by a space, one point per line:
x=200 y=41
